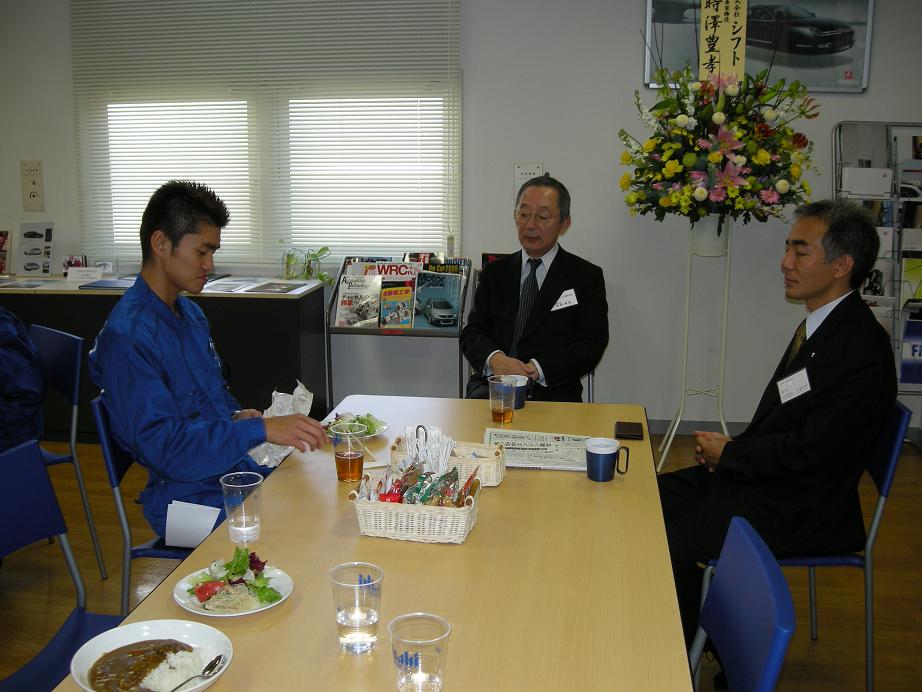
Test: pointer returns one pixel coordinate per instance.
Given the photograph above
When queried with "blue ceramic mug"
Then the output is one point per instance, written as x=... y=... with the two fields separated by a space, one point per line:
x=603 y=457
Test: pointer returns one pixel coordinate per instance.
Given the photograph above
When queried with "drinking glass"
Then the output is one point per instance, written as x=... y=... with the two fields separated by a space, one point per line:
x=419 y=644
x=357 y=599
x=348 y=450
x=241 y=503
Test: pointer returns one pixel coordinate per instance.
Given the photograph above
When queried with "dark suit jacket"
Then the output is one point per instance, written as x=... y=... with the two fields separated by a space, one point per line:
x=794 y=471
x=567 y=342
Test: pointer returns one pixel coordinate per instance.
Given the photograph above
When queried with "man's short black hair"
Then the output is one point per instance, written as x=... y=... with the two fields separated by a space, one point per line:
x=850 y=230
x=178 y=208
x=563 y=195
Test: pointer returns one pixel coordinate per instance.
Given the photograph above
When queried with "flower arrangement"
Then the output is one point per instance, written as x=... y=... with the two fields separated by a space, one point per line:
x=720 y=146
x=305 y=264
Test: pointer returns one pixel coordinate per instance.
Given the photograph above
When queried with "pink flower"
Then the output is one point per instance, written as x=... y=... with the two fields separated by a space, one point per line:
x=697 y=176
x=704 y=144
x=718 y=194
x=729 y=176
x=769 y=196
x=719 y=81
x=727 y=143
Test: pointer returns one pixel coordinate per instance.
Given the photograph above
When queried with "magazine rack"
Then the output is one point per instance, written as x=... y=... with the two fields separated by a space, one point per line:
x=419 y=312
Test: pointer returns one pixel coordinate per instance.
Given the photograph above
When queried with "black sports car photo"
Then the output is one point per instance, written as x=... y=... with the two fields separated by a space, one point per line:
x=793 y=29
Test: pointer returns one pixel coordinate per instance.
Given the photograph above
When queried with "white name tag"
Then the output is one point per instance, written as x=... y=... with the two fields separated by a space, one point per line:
x=793 y=386
x=84 y=274
x=567 y=298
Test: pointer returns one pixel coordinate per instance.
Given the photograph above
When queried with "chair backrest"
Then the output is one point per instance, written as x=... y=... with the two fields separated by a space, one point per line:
x=748 y=613
x=886 y=454
x=29 y=511
x=116 y=458
x=61 y=354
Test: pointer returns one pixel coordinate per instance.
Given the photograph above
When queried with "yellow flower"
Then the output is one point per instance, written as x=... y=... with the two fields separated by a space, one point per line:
x=664 y=201
x=625 y=181
x=715 y=157
x=739 y=203
x=625 y=157
x=733 y=191
x=630 y=199
x=762 y=157
x=795 y=171
x=806 y=186
x=649 y=145
x=671 y=168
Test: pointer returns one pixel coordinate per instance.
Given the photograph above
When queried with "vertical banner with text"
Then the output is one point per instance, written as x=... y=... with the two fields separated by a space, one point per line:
x=722 y=48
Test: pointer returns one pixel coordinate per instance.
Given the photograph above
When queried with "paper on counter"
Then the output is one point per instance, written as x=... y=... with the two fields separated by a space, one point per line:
x=188 y=524
x=533 y=450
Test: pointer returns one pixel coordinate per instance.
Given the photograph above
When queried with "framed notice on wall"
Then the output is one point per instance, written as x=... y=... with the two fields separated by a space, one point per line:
x=824 y=44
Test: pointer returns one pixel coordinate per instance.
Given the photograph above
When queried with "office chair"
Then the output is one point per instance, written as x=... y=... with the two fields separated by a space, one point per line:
x=882 y=468
x=30 y=512
x=748 y=613
x=62 y=355
x=118 y=461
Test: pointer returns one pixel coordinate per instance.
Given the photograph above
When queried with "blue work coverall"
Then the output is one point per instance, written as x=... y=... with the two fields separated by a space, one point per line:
x=168 y=402
x=22 y=384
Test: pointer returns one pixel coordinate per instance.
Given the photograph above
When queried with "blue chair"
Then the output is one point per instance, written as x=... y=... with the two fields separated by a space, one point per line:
x=62 y=355
x=748 y=613
x=882 y=468
x=29 y=513
x=118 y=461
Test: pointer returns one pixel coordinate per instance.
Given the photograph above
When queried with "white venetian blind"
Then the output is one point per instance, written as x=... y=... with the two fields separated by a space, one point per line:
x=318 y=122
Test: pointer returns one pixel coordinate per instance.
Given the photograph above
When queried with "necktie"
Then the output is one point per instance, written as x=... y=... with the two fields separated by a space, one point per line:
x=800 y=336
x=526 y=300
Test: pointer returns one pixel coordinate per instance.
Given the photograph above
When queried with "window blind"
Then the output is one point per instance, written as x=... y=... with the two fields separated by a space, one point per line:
x=318 y=122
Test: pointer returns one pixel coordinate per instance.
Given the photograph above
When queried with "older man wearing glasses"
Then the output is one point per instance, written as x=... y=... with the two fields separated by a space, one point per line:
x=540 y=312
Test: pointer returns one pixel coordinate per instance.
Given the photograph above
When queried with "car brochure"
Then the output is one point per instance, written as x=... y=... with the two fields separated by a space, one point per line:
x=358 y=301
x=438 y=297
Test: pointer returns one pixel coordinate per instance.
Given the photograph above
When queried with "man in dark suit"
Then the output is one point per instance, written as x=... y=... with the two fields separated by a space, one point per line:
x=540 y=312
x=793 y=473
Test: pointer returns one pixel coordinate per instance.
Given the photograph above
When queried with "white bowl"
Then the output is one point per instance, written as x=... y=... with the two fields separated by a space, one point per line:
x=208 y=641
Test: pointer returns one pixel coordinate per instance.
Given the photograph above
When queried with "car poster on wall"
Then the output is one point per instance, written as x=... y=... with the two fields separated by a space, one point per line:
x=33 y=251
x=824 y=44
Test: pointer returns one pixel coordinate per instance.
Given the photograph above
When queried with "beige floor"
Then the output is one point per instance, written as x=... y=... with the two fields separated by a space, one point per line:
x=36 y=593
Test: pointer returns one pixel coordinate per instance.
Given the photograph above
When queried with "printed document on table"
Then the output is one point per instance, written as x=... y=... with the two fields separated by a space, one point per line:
x=534 y=450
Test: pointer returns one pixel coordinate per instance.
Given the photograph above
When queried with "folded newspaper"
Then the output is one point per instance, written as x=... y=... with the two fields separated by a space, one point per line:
x=535 y=450
x=299 y=401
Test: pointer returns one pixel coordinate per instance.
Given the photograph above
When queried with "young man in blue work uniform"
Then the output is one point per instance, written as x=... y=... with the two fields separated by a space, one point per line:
x=160 y=374
x=22 y=385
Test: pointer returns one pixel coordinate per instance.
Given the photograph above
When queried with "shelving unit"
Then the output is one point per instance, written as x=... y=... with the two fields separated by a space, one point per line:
x=453 y=332
x=880 y=165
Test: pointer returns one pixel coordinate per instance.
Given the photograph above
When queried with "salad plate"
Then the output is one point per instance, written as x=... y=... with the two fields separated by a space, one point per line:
x=278 y=579
x=365 y=419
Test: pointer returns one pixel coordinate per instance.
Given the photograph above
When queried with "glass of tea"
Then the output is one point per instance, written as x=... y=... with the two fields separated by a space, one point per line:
x=502 y=398
x=348 y=450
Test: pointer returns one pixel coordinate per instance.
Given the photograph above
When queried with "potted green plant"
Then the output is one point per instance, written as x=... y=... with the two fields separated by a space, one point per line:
x=305 y=264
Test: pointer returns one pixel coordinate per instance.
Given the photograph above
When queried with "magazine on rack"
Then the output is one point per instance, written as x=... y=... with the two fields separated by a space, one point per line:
x=358 y=301
x=438 y=297
x=397 y=304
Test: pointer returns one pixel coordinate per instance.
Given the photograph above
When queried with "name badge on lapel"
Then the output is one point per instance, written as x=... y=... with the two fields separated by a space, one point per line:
x=793 y=386
x=567 y=298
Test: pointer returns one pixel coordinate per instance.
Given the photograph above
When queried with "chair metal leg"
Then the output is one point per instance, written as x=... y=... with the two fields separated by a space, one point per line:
x=83 y=496
x=695 y=654
x=812 y=587
x=705 y=585
x=869 y=623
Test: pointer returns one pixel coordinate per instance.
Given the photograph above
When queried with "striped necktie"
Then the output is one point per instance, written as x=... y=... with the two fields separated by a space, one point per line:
x=800 y=336
x=526 y=301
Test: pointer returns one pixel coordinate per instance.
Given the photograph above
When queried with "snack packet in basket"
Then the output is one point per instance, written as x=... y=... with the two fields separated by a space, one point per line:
x=299 y=401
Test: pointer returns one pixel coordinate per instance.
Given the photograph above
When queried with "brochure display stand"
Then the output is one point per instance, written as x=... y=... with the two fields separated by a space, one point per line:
x=421 y=295
x=879 y=165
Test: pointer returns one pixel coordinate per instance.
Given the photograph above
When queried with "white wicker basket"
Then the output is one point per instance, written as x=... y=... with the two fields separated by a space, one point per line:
x=467 y=456
x=415 y=522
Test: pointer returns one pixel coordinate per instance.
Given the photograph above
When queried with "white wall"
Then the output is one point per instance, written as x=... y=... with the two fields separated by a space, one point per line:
x=543 y=81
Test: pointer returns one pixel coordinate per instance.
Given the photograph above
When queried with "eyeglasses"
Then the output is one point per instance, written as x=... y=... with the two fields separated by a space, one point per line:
x=541 y=217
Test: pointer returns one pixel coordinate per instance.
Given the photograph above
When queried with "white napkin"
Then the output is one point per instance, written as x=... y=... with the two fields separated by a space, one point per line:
x=299 y=401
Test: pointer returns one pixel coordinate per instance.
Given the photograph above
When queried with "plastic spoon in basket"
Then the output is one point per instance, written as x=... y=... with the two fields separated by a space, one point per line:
x=210 y=670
